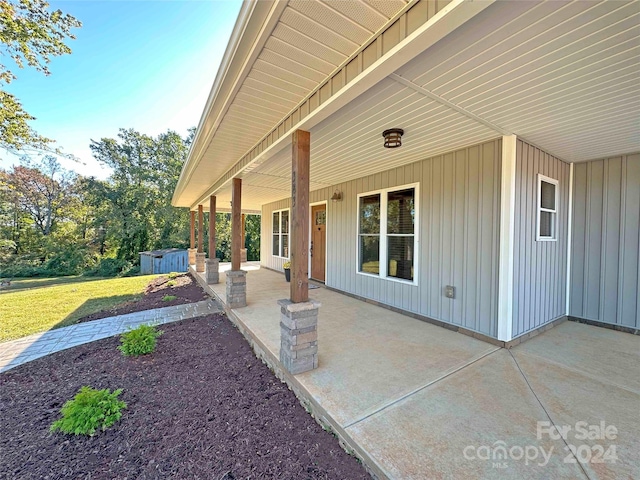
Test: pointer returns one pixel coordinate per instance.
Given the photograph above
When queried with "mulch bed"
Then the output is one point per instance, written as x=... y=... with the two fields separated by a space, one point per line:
x=201 y=406
x=183 y=287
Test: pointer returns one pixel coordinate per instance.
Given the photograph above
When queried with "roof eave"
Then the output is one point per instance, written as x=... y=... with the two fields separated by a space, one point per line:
x=251 y=30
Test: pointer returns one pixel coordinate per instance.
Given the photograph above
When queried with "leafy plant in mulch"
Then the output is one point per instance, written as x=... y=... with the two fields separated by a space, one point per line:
x=171 y=283
x=89 y=411
x=168 y=298
x=173 y=275
x=139 y=341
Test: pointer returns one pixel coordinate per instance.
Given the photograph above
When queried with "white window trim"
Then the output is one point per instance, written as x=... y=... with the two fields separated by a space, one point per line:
x=280 y=231
x=383 y=234
x=554 y=238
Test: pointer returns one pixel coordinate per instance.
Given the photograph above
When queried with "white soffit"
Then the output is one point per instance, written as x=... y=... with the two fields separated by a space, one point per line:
x=564 y=76
x=349 y=144
x=310 y=40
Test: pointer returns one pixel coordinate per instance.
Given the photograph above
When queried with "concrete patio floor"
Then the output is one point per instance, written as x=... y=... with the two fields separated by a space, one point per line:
x=417 y=401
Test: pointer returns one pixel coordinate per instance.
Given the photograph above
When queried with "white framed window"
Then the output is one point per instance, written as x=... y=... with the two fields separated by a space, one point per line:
x=388 y=233
x=547 y=218
x=280 y=233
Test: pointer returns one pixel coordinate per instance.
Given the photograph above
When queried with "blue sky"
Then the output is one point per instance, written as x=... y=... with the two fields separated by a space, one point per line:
x=147 y=65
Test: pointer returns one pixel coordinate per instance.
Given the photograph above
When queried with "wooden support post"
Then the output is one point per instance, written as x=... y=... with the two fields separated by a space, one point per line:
x=193 y=229
x=212 y=226
x=236 y=218
x=200 y=229
x=299 y=315
x=299 y=248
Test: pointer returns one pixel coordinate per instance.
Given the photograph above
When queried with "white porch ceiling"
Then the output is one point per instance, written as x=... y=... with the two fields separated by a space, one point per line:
x=310 y=40
x=562 y=75
x=349 y=144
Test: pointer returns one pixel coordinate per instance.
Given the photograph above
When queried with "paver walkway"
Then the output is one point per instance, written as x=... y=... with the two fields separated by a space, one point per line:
x=17 y=352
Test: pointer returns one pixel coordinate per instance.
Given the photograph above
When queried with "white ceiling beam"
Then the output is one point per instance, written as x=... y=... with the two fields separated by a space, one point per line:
x=447 y=103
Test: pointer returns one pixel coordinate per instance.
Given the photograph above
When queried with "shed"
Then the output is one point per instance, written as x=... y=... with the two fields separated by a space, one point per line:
x=163 y=261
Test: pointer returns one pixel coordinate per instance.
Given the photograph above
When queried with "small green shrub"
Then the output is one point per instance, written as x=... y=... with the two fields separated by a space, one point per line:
x=139 y=341
x=171 y=283
x=173 y=275
x=89 y=411
x=168 y=298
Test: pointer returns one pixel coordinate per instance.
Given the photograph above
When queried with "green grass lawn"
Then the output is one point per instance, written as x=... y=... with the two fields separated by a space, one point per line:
x=36 y=305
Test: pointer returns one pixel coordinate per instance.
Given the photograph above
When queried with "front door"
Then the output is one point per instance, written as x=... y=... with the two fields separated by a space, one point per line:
x=318 y=241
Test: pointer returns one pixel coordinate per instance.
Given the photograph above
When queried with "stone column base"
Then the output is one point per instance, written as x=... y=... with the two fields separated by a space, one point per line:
x=213 y=267
x=243 y=255
x=236 y=289
x=192 y=255
x=299 y=335
x=200 y=258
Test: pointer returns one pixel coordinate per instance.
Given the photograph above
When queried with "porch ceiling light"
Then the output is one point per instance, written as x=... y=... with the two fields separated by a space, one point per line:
x=393 y=137
x=337 y=196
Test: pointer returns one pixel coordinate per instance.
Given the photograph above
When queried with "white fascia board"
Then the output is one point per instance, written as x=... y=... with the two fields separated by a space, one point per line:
x=507 y=231
x=452 y=16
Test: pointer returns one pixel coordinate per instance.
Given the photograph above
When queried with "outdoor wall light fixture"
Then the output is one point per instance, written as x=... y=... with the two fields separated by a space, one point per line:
x=393 y=137
x=337 y=196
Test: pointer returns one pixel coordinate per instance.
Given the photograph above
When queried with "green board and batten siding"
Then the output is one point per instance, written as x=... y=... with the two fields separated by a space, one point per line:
x=605 y=272
x=458 y=242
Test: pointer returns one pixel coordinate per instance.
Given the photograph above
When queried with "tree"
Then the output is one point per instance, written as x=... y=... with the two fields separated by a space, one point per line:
x=252 y=237
x=138 y=193
x=40 y=190
x=30 y=35
x=44 y=221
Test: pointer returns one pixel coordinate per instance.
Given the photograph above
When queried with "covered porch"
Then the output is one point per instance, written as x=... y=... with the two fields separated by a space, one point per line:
x=414 y=400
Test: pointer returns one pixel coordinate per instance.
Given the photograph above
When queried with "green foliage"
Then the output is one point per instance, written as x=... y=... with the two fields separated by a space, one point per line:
x=30 y=35
x=41 y=189
x=168 y=298
x=110 y=267
x=89 y=411
x=132 y=272
x=43 y=222
x=23 y=266
x=139 y=341
x=15 y=132
x=68 y=259
x=173 y=275
x=54 y=223
x=223 y=236
x=286 y=264
x=252 y=236
x=136 y=199
x=62 y=261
